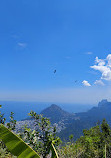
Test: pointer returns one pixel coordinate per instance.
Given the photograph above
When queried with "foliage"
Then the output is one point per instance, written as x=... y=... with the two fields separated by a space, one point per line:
x=71 y=138
x=16 y=145
x=96 y=143
x=4 y=152
x=11 y=125
x=54 y=152
x=19 y=148
x=2 y=119
x=43 y=137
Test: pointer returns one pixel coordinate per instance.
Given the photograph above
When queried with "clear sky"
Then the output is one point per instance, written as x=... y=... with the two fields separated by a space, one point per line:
x=72 y=37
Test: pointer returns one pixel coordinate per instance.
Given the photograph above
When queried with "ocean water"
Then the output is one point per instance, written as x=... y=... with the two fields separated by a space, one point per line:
x=21 y=109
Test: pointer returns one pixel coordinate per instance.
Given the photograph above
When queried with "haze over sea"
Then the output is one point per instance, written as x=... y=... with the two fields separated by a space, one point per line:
x=21 y=109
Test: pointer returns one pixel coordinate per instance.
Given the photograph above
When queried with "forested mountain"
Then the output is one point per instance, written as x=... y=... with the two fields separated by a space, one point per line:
x=56 y=114
x=87 y=120
x=75 y=123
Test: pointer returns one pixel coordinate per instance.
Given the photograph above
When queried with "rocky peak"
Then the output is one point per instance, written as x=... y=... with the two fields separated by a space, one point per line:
x=55 y=107
x=102 y=103
x=55 y=113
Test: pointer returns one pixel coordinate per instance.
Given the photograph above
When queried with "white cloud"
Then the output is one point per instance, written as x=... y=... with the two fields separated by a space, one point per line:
x=100 y=62
x=85 y=83
x=89 y=53
x=109 y=60
x=104 y=66
x=22 y=45
x=99 y=82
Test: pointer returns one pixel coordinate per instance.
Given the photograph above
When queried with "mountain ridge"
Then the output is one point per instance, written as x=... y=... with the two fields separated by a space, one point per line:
x=88 y=119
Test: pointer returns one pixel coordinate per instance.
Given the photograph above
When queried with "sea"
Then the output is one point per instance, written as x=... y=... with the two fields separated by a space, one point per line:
x=21 y=109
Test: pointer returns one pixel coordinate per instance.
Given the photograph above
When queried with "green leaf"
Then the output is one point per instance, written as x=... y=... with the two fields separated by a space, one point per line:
x=16 y=145
x=54 y=152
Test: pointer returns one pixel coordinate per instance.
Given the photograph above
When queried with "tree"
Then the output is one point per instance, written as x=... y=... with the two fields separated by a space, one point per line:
x=18 y=147
x=42 y=137
x=2 y=118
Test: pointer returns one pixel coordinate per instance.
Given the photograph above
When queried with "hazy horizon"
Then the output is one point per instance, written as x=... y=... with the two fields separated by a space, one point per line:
x=21 y=109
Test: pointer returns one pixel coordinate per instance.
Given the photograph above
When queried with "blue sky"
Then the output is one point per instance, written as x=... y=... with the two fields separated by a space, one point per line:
x=37 y=37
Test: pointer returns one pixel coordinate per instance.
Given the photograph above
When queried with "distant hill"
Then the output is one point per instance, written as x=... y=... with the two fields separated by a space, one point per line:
x=98 y=113
x=88 y=119
x=56 y=114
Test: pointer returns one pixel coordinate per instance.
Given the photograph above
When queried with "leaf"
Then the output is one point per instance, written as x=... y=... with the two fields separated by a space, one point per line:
x=16 y=145
x=54 y=152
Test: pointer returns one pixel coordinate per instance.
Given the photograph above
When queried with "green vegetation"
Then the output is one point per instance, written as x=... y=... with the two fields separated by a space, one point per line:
x=86 y=120
x=16 y=145
x=95 y=142
x=41 y=138
x=38 y=141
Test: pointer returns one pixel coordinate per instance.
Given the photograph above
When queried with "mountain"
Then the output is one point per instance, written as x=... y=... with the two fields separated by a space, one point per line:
x=56 y=114
x=87 y=120
x=98 y=113
x=67 y=123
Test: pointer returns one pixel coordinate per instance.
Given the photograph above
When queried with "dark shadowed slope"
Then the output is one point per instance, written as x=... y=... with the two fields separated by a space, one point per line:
x=56 y=114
